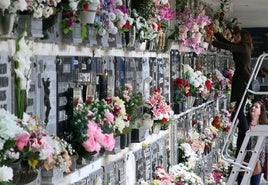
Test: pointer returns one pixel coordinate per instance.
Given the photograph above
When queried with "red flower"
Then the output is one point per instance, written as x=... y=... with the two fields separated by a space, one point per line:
x=208 y=84
x=86 y=7
x=180 y=82
x=222 y=14
x=164 y=120
x=127 y=25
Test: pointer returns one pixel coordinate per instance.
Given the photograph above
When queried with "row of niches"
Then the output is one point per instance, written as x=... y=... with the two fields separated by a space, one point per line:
x=49 y=30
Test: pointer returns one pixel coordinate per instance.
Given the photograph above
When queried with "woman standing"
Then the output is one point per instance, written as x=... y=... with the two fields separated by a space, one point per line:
x=256 y=116
x=241 y=48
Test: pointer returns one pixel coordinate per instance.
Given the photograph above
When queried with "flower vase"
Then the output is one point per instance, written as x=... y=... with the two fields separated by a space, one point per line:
x=123 y=141
x=140 y=46
x=91 y=36
x=115 y=40
x=178 y=108
x=73 y=36
x=138 y=135
x=74 y=158
x=147 y=123
x=27 y=174
x=130 y=37
x=16 y=167
x=156 y=128
x=33 y=26
x=189 y=102
x=88 y=16
x=6 y=24
x=117 y=146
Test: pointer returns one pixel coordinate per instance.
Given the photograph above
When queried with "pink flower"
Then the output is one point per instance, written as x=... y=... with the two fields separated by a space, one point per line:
x=22 y=140
x=108 y=141
x=109 y=116
x=166 y=13
x=91 y=145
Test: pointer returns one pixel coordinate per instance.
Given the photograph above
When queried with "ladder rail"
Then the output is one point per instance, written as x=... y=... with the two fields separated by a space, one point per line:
x=261 y=132
x=224 y=153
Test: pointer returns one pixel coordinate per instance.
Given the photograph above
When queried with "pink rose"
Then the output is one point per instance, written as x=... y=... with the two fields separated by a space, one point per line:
x=108 y=142
x=22 y=140
x=91 y=145
x=109 y=116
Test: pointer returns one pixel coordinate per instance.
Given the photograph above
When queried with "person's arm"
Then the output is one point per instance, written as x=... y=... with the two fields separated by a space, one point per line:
x=230 y=46
x=221 y=38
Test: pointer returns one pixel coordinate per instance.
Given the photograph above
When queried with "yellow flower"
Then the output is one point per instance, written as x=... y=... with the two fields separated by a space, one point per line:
x=33 y=162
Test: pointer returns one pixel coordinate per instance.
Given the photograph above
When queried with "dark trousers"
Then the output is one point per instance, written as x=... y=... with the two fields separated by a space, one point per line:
x=254 y=180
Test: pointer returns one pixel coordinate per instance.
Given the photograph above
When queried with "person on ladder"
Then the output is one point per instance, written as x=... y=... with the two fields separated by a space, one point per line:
x=241 y=47
x=256 y=115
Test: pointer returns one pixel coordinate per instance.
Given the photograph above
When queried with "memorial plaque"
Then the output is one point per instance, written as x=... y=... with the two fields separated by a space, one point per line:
x=140 y=165
x=109 y=174
x=147 y=163
x=6 y=86
x=120 y=172
x=97 y=177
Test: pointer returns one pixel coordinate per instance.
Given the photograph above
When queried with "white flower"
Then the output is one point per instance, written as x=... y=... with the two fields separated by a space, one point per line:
x=8 y=125
x=73 y=4
x=6 y=174
x=4 y=4
x=102 y=31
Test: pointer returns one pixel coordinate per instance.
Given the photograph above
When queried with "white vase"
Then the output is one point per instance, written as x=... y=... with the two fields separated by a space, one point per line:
x=88 y=16
x=147 y=123
x=140 y=46
x=6 y=24
x=189 y=102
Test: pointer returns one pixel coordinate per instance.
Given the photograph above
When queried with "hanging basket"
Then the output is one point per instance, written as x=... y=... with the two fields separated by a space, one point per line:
x=6 y=24
x=88 y=16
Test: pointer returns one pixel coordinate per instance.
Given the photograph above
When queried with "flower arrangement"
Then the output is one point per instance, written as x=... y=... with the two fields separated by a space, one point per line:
x=26 y=141
x=187 y=155
x=22 y=69
x=39 y=9
x=160 y=108
x=219 y=82
x=92 y=127
x=12 y=6
x=184 y=175
x=222 y=122
x=191 y=26
x=132 y=101
x=112 y=17
x=181 y=90
x=200 y=85
x=120 y=124
x=72 y=18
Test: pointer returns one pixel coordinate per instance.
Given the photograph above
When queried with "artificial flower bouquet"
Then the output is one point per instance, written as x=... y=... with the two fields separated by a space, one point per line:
x=181 y=90
x=200 y=85
x=191 y=26
x=92 y=127
x=132 y=101
x=120 y=125
x=159 y=108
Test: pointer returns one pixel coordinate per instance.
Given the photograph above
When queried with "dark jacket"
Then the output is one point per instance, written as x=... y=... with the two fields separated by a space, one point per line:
x=242 y=59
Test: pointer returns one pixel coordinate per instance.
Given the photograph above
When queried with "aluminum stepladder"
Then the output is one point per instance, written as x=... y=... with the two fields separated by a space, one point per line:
x=259 y=131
